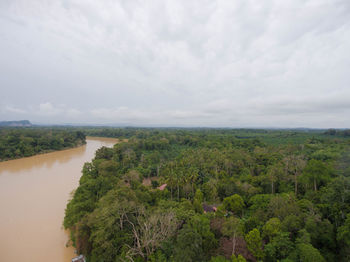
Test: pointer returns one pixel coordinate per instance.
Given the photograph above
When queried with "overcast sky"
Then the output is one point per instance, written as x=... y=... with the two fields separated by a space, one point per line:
x=232 y=63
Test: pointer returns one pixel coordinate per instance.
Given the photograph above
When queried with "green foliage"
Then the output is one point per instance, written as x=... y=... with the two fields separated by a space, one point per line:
x=218 y=259
x=254 y=243
x=259 y=202
x=234 y=204
x=307 y=253
x=252 y=176
x=189 y=245
x=24 y=142
x=292 y=224
x=315 y=173
x=110 y=224
x=197 y=201
x=158 y=256
x=201 y=225
x=283 y=205
x=233 y=227
x=343 y=234
x=271 y=228
x=303 y=237
x=343 y=238
x=279 y=247
x=239 y=258
x=199 y=196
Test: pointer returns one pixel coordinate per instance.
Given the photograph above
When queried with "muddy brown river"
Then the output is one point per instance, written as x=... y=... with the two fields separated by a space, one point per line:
x=33 y=195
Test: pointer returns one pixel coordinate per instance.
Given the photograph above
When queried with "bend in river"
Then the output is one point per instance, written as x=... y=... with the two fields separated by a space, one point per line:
x=33 y=195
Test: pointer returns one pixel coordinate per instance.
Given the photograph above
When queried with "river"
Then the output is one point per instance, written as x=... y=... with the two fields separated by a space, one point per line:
x=33 y=195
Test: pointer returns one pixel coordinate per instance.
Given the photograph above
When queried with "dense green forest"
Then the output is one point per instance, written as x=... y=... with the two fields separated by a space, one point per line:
x=270 y=136
x=23 y=142
x=214 y=195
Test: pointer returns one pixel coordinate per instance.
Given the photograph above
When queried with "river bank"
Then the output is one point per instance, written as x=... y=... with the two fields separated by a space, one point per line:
x=33 y=195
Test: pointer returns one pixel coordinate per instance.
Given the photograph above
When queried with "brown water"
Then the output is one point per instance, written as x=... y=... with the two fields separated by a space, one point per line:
x=33 y=196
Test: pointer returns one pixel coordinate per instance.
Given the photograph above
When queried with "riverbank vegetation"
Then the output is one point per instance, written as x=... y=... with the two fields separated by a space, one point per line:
x=24 y=142
x=214 y=195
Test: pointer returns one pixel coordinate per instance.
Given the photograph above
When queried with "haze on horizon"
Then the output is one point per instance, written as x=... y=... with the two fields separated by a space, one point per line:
x=176 y=63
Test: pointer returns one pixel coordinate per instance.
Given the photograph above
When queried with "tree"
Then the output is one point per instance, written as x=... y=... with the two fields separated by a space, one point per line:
x=239 y=258
x=295 y=164
x=201 y=225
x=279 y=247
x=158 y=257
x=343 y=234
x=150 y=231
x=271 y=228
x=110 y=224
x=273 y=174
x=321 y=232
x=254 y=243
x=343 y=238
x=197 y=201
x=307 y=253
x=233 y=227
x=335 y=198
x=218 y=259
x=304 y=250
x=209 y=190
x=199 y=195
x=188 y=246
x=315 y=172
x=283 y=205
x=234 y=203
x=292 y=224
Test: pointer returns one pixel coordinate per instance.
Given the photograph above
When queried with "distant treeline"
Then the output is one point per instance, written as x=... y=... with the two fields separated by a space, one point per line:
x=335 y=132
x=270 y=136
x=23 y=142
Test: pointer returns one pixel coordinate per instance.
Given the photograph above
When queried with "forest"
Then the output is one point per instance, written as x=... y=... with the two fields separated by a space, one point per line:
x=24 y=142
x=214 y=195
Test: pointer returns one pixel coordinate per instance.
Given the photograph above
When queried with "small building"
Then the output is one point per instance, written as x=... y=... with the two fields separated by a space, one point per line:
x=162 y=187
x=80 y=258
x=209 y=208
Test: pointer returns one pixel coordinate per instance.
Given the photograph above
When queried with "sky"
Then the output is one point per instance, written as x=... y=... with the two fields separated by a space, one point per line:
x=215 y=63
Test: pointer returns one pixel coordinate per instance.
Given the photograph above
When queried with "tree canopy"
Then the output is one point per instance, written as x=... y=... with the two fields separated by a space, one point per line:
x=214 y=195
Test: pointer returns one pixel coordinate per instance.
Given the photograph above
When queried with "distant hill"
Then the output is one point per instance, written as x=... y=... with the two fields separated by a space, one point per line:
x=15 y=123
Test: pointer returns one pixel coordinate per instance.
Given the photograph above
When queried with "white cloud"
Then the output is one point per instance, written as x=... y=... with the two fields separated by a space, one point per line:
x=48 y=109
x=74 y=113
x=120 y=114
x=227 y=63
x=14 y=110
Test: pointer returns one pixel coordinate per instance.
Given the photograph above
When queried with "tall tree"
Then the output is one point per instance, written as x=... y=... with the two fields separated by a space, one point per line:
x=254 y=243
x=233 y=227
x=295 y=164
x=315 y=172
x=234 y=204
x=273 y=173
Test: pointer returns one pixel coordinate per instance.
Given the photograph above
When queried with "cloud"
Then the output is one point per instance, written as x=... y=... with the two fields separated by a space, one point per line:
x=304 y=105
x=73 y=113
x=122 y=114
x=125 y=115
x=48 y=109
x=61 y=110
x=14 y=110
x=226 y=63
